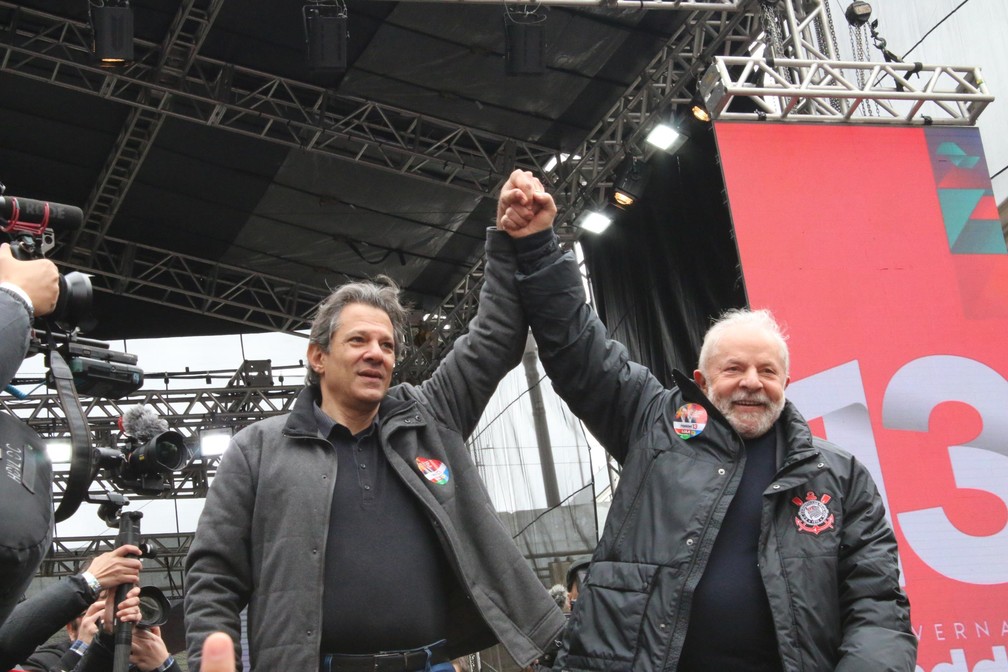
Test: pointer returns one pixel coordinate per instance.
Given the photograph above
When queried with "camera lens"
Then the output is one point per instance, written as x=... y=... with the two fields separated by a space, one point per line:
x=74 y=303
x=154 y=607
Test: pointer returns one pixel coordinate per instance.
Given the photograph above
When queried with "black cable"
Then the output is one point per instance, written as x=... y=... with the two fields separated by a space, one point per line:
x=552 y=508
x=504 y=410
x=999 y=172
x=935 y=27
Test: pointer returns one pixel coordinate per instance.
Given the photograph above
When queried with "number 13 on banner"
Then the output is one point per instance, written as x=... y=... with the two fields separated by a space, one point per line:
x=837 y=396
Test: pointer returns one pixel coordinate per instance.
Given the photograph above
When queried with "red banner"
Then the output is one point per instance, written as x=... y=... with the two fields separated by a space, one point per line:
x=881 y=251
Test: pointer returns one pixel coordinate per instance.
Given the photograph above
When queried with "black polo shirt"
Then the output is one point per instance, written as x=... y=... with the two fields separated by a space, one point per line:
x=386 y=574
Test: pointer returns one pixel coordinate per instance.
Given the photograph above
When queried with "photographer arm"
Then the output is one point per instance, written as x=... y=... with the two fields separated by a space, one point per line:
x=35 y=620
x=27 y=288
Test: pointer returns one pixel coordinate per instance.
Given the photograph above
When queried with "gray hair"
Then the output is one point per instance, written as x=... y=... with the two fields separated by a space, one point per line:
x=762 y=319
x=382 y=294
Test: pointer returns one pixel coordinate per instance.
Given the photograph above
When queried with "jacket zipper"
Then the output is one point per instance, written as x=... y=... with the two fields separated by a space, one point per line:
x=696 y=558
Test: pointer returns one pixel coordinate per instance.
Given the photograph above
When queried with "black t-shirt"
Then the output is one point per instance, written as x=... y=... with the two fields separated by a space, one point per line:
x=386 y=575
x=731 y=627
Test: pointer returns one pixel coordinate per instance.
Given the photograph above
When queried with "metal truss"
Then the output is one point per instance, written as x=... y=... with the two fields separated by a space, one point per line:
x=172 y=80
x=825 y=91
x=187 y=411
x=185 y=37
x=245 y=101
x=435 y=334
x=667 y=81
x=728 y=5
x=163 y=568
x=55 y=50
x=196 y=285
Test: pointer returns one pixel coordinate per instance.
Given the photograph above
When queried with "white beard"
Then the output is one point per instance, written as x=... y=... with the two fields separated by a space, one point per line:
x=749 y=426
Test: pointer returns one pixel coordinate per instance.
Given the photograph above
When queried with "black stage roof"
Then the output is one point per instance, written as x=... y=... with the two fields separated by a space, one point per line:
x=219 y=175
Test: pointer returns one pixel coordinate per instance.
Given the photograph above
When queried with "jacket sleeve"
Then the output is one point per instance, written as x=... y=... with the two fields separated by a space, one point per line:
x=463 y=383
x=614 y=396
x=36 y=619
x=218 y=565
x=875 y=611
x=15 y=329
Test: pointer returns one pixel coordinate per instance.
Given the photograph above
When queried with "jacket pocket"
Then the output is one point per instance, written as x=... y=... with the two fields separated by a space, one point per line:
x=607 y=617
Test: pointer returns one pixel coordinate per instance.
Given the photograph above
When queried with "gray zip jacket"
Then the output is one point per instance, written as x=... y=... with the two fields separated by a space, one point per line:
x=262 y=536
x=826 y=553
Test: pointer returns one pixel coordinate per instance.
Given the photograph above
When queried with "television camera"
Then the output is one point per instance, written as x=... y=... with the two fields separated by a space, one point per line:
x=96 y=370
x=78 y=365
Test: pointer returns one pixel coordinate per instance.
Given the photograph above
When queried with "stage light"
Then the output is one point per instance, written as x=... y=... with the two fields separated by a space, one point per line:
x=326 y=26
x=628 y=185
x=524 y=42
x=112 y=32
x=593 y=221
x=699 y=110
x=666 y=137
x=59 y=451
x=710 y=98
x=214 y=441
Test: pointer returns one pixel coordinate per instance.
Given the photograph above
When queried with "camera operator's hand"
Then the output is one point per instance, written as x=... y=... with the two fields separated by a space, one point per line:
x=114 y=568
x=38 y=278
x=149 y=651
x=128 y=610
x=89 y=622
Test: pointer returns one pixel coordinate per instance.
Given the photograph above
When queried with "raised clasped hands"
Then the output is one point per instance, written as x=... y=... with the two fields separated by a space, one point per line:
x=524 y=207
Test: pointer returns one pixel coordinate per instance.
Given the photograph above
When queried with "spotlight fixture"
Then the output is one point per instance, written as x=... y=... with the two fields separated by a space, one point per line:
x=699 y=110
x=60 y=451
x=628 y=185
x=666 y=137
x=524 y=42
x=326 y=26
x=112 y=32
x=594 y=221
x=710 y=97
x=214 y=441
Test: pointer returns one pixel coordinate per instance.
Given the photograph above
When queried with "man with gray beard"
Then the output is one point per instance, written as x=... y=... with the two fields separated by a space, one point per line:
x=736 y=540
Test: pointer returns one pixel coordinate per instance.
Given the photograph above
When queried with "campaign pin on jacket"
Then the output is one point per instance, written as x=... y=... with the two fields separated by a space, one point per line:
x=690 y=420
x=813 y=515
x=433 y=470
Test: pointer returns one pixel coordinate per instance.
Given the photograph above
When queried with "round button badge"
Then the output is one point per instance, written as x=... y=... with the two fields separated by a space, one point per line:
x=690 y=420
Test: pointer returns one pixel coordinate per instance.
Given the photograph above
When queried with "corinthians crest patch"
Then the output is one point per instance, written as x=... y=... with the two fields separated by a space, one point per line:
x=813 y=514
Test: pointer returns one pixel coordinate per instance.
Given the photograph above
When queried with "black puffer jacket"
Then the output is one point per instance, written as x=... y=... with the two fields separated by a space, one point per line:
x=830 y=569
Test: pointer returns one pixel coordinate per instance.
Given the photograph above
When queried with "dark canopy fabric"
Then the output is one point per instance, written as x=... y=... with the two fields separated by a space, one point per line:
x=669 y=265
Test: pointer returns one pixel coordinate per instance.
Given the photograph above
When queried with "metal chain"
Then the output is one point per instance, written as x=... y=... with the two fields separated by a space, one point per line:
x=827 y=48
x=859 y=46
x=832 y=28
x=771 y=22
x=775 y=41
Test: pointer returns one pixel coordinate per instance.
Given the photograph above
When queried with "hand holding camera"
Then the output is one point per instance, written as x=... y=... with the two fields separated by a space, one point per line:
x=38 y=278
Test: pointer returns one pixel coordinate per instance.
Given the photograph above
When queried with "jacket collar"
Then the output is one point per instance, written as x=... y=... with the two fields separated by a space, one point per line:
x=301 y=421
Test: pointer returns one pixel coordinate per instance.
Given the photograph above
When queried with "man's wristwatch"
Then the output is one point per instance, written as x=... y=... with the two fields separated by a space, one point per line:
x=92 y=583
